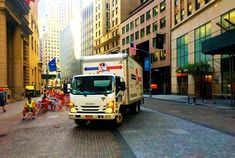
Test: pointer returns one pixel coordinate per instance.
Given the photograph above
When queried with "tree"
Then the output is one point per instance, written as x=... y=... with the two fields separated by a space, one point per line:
x=194 y=69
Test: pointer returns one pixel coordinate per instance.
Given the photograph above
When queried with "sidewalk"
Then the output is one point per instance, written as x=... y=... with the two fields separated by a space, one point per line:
x=217 y=103
x=14 y=108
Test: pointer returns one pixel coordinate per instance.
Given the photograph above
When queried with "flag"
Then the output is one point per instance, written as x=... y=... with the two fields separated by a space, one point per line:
x=52 y=65
x=132 y=48
x=28 y=1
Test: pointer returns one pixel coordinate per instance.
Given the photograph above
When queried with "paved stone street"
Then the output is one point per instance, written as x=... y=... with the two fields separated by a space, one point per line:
x=148 y=134
x=155 y=135
x=53 y=135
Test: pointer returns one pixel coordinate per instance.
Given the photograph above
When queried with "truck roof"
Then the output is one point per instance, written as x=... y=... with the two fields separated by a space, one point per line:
x=104 y=57
x=94 y=75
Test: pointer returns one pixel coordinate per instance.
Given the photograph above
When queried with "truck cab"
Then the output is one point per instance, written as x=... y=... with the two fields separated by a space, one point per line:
x=97 y=97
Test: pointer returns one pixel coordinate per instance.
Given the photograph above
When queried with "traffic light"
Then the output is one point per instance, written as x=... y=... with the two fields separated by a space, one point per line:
x=159 y=40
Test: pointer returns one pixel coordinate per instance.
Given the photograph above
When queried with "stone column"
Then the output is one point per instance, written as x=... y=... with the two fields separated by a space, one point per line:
x=17 y=64
x=3 y=50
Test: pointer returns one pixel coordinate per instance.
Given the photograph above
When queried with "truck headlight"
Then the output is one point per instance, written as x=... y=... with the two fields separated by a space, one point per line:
x=71 y=104
x=110 y=107
x=73 y=110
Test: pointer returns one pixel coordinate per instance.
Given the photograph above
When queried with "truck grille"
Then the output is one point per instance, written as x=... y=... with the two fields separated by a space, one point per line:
x=91 y=109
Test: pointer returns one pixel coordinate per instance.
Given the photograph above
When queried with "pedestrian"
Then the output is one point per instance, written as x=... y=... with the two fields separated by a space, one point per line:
x=2 y=99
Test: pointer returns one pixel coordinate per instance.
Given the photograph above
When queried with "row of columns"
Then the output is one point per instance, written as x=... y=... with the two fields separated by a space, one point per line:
x=11 y=57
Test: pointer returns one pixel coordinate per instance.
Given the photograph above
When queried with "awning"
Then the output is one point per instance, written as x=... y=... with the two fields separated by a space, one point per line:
x=221 y=44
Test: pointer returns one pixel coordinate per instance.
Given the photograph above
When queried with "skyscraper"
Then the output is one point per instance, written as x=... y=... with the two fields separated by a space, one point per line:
x=108 y=15
x=56 y=16
x=87 y=28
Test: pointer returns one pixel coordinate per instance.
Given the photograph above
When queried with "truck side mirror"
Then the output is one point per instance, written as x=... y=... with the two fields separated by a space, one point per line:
x=122 y=86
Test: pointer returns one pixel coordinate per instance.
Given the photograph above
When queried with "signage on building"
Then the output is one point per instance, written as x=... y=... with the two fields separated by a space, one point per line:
x=147 y=64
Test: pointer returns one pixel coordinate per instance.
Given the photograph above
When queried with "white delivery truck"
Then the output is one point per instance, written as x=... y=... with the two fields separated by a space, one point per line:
x=109 y=84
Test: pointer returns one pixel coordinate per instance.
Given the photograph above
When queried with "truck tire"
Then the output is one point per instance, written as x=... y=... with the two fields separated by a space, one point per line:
x=118 y=120
x=80 y=122
x=135 y=109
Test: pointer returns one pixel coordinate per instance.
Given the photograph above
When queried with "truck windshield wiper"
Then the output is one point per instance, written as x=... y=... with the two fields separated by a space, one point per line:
x=79 y=92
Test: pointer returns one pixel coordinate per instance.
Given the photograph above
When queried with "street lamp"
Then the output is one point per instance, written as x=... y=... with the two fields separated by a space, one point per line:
x=149 y=64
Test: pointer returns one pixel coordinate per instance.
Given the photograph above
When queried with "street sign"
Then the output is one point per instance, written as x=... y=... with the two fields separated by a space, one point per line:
x=147 y=64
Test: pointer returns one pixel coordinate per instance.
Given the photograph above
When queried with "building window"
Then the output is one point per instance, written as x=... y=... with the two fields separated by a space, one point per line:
x=148 y=29
x=123 y=29
x=229 y=16
x=142 y=19
x=162 y=6
x=148 y=15
x=176 y=18
x=132 y=38
x=197 y=4
x=154 y=42
x=127 y=40
x=142 y=32
x=132 y=25
x=163 y=55
x=163 y=22
x=155 y=25
x=116 y=21
x=176 y=2
x=154 y=57
x=155 y=11
x=127 y=51
x=182 y=14
x=123 y=41
x=182 y=50
x=136 y=22
x=190 y=9
x=201 y=33
x=127 y=27
x=137 y=35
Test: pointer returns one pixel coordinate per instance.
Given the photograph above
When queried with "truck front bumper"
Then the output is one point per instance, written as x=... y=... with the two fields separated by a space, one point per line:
x=92 y=116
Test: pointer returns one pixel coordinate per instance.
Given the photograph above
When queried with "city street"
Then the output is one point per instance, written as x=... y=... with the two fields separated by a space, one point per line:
x=149 y=134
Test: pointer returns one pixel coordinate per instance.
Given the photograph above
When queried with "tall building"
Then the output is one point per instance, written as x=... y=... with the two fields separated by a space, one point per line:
x=108 y=14
x=193 y=23
x=33 y=79
x=140 y=28
x=57 y=14
x=14 y=47
x=70 y=47
x=87 y=29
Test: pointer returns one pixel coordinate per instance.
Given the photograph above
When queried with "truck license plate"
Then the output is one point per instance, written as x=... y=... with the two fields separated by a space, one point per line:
x=88 y=117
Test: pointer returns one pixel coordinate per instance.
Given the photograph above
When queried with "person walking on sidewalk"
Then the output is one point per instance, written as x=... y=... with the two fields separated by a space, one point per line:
x=29 y=106
x=2 y=99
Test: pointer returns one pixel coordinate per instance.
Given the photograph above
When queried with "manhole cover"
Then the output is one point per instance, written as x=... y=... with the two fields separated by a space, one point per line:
x=3 y=135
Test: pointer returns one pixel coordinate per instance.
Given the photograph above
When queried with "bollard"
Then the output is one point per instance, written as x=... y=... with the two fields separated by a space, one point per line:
x=194 y=99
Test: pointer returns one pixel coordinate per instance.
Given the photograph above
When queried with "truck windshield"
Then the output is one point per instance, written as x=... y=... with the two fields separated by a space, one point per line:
x=91 y=85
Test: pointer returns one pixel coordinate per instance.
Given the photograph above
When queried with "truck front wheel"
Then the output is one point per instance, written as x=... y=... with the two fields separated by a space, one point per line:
x=80 y=122
x=119 y=119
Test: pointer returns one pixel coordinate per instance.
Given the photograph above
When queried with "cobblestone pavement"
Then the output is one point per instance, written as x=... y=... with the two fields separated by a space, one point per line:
x=152 y=134
x=221 y=119
x=54 y=135
x=148 y=134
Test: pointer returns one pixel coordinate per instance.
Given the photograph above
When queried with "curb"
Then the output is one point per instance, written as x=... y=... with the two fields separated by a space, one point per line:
x=201 y=104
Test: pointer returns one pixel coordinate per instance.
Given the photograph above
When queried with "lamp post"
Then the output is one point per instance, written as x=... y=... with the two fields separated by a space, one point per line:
x=150 y=69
